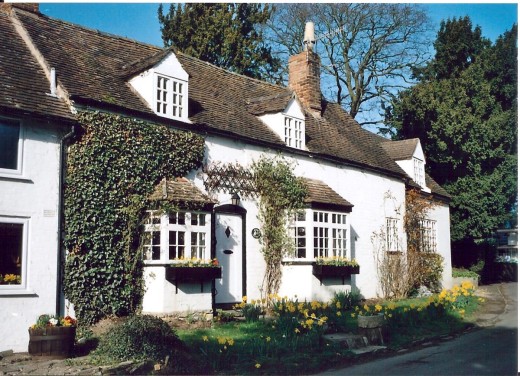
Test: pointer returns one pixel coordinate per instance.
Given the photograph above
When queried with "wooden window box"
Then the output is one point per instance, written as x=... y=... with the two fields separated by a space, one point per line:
x=176 y=274
x=322 y=271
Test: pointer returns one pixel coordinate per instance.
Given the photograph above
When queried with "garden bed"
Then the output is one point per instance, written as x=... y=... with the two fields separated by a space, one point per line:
x=292 y=341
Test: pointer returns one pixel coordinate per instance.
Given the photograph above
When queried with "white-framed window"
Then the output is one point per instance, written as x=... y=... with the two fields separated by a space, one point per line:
x=182 y=234
x=162 y=95
x=418 y=172
x=319 y=233
x=392 y=234
x=170 y=97
x=11 y=147
x=293 y=132
x=13 y=253
x=428 y=235
x=298 y=232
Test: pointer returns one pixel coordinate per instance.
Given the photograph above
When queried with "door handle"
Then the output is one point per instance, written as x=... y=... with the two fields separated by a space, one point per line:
x=228 y=251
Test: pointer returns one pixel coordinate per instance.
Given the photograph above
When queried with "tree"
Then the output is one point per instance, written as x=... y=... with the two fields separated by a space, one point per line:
x=457 y=47
x=467 y=124
x=367 y=50
x=227 y=35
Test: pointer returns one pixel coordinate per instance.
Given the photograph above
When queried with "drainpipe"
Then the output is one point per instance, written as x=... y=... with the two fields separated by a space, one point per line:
x=61 y=254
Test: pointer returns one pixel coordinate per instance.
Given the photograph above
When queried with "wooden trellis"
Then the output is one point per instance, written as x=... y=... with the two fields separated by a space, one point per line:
x=229 y=178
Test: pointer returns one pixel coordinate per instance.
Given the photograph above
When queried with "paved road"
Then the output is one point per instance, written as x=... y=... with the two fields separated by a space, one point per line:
x=492 y=350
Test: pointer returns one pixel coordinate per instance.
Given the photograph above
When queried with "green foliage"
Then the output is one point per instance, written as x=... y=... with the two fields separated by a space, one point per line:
x=227 y=35
x=467 y=126
x=464 y=273
x=429 y=272
x=457 y=47
x=139 y=338
x=346 y=300
x=112 y=169
x=280 y=194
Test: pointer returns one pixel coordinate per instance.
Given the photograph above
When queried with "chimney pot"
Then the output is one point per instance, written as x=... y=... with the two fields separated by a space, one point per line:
x=308 y=37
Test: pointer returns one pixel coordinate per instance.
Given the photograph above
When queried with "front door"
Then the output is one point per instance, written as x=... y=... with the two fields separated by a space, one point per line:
x=229 y=252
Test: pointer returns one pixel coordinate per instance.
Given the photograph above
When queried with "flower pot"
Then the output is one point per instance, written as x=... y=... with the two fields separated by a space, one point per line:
x=370 y=327
x=370 y=322
x=55 y=341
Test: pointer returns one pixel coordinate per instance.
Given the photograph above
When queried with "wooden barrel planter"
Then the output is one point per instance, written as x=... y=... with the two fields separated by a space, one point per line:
x=55 y=341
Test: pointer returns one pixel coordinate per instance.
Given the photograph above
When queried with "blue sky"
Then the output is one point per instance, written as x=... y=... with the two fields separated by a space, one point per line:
x=139 y=20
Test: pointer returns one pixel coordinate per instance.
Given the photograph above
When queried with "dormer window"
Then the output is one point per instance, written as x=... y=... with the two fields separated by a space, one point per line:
x=288 y=124
x=164 y=87
x=170 y=97
x=418 y=170
x=293 y=131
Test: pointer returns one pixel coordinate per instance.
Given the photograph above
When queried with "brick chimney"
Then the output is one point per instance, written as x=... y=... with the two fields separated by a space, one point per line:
x=304 y=74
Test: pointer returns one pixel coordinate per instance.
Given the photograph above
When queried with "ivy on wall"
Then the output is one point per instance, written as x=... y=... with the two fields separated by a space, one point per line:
x=111 y=171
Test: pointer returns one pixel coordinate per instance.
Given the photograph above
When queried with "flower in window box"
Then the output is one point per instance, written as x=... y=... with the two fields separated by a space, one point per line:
x=334 y=267
x=193 y=269
x=194 y=262
x=336 y=261
x=10 y=279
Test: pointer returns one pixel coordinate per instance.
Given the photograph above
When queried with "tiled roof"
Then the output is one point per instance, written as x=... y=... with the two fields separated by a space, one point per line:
x=404 y=149
x=321 y=195
x=180 y=190
x=24 y=87
x=268 y=105
x=436 y=188
x=399 y=150
x=94 y=66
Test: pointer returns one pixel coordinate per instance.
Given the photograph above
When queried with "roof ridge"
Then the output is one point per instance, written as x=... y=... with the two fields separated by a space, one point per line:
x=228 y=71
x=90 y=29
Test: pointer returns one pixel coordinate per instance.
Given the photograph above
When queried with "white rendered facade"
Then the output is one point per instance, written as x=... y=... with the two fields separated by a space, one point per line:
x=31 y=198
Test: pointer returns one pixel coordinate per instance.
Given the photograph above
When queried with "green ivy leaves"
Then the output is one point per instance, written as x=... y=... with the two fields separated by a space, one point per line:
x=111 y=171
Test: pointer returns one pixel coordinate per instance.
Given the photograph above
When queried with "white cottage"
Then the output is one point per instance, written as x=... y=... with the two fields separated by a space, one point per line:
x=356 y=180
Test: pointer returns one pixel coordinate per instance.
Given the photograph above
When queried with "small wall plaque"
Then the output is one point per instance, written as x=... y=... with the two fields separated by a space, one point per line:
x=256 y=233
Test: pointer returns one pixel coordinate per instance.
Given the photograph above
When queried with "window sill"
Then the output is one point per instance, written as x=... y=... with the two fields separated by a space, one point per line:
x=17 y=292
x=297 y=262
x=15 y=177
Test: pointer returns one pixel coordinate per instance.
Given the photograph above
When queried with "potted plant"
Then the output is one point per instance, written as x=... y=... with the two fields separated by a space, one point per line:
x=334 y=267
x=194 y=269
x=370 y=321
x=52 y=336
x=370 y=317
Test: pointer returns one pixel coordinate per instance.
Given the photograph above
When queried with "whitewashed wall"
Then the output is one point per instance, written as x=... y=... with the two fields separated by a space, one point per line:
x=162 y=297
x=365 y=190
x=441 y=213
x=34 y=197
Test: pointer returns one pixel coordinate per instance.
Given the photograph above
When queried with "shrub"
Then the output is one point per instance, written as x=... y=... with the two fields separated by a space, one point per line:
x=428 y=271
x=464 y=273
x=347 y=299
x=140 y=337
